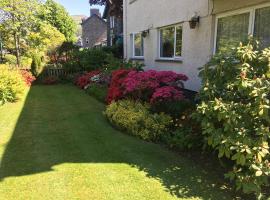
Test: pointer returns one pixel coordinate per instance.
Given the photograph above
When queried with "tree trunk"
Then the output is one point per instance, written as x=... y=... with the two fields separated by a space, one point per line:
x=17 y=49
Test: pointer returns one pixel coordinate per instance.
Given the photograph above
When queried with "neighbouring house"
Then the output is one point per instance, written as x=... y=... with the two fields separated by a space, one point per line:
x=182 y=35
x=94 y=30
x=114 y=27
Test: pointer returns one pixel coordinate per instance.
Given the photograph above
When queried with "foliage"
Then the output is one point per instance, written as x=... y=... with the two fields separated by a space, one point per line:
x=84 y=80
x=56 y=15
x=36 y=63
x=234 y=113
x=136 y=119
x=115 y=91
x=98 y=91
x=11 y=85
x=187 y=132
x=166 y=94
x=93 y=59
x=27 y=77
x=174 y=108
x=18 y=17
x=115 y=5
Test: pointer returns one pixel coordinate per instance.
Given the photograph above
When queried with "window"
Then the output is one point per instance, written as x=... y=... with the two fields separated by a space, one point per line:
x=235 y=28
x=170 y=42
x=137 y=45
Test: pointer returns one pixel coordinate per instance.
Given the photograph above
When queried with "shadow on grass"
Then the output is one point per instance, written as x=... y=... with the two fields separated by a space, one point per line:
x=60 y=124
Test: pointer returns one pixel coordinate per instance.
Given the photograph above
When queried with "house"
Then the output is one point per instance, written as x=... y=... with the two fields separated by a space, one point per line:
x=182 y=35
x=114 y=27
x=94 y=30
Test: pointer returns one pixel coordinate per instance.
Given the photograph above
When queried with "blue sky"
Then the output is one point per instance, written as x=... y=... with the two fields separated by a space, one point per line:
x=78 y=7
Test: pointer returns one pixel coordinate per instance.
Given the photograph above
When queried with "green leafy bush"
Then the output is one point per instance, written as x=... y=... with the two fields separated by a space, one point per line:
x=136 y=119
x=93 y=59
x=186 y=134
x=11 y=85
x=234 y=113
x=98 y=91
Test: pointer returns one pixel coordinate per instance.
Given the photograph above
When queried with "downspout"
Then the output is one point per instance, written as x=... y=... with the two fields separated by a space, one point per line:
x=125 y=30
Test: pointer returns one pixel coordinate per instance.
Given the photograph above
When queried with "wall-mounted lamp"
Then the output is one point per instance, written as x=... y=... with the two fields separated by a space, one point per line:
x=194 y=21
x=145 y=33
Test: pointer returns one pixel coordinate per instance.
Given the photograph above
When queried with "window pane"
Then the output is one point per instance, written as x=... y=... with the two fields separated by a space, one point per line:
x=231 y=31
x=178 y=48
x=138 y=45
x=167 y=42
x=262 y=26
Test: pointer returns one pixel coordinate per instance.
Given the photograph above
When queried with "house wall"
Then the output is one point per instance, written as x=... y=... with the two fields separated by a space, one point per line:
x=95 y=29
x=227 y=5
x=198 y=44
x=141 y=15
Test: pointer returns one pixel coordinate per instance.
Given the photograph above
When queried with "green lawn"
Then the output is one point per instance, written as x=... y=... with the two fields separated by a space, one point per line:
x=57 y=145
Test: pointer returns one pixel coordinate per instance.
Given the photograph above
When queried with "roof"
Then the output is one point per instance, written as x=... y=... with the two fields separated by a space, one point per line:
x=94 y=15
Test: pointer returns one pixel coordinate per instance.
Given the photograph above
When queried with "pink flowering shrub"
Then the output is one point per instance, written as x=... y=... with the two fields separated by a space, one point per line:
x=167 y=93
x=143 y=85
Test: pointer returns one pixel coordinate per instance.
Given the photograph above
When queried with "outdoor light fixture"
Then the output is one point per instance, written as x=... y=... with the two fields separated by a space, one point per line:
x=194 y=21
x=145 y=33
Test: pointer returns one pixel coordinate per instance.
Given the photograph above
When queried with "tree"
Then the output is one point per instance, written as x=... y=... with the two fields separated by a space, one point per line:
x=115 y=5
x=56 y=15
x=18 y=18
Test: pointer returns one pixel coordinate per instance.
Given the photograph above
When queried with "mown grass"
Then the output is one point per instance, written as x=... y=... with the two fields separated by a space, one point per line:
x=56 y=144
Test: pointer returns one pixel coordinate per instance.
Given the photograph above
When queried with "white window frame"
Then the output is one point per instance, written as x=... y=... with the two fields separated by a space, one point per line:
x=250 y=10
x=159 y=43
x=133 y=45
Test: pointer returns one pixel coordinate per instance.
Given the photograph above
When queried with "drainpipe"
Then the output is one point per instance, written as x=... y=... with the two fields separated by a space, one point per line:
x=125 y=30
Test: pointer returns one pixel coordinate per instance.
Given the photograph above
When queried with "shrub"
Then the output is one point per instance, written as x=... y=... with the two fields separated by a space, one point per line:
x=11 y=60
x=174 y=108
x=11 y=85
x=36 y=64
x=115 y=91
x=136 y=119
x=143 y=85
x=27 y=77
x=186 y=134
x=84 y=80
x=93 y=59
x=98 y=91
x=234 y=113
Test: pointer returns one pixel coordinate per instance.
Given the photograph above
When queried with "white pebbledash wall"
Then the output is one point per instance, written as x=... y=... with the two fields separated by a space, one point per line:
x=140 y=15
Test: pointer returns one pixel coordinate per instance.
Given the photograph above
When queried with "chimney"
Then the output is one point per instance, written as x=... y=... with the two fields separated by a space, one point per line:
x=94 y=11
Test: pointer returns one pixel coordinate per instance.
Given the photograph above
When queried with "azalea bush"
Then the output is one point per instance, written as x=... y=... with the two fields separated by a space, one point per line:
x=135 y=118
x=12 y=85
x=234 y=113
x=84 y=80
x=28 y=77
x=115 y=91
x=148 y=86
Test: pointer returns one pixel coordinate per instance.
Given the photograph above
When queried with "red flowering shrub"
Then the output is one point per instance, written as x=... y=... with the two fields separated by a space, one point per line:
x=116 y=89
x=167 y=93
x=27 y=77
x=142 y=85
x=85 y=79
x=150 y=86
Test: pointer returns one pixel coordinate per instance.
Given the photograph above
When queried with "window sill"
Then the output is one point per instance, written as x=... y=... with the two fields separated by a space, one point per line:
x=169 y=60
x=134 y=58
